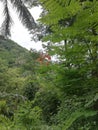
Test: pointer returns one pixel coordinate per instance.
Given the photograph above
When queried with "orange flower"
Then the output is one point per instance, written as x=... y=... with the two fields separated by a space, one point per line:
x=44 y=58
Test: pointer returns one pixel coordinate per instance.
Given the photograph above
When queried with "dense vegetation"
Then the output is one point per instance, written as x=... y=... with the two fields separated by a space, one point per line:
x=37 y=93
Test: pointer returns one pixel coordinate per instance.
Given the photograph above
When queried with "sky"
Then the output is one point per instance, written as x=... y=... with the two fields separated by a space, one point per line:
x=19 y=33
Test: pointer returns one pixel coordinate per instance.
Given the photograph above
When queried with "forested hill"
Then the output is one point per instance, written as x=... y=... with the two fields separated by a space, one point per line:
x=16 y=65
x=11 y=52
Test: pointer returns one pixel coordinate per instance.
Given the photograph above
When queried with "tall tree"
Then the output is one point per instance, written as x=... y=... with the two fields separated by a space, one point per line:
x=73 y=22
x=73 y=34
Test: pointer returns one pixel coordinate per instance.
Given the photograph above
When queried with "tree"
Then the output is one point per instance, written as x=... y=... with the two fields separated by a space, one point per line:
x=23 y=13
x=74 y=26
x=73 y=38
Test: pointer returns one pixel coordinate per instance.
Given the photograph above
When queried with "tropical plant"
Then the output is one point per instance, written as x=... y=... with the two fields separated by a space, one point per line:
x=23 y=13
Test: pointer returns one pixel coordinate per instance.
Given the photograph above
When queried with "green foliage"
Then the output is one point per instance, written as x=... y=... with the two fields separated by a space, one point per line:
x=61 y=95
x=70 y=19
x=73 y=25
x=28 y=117
x=30 y=90
x=49 y=102
x=13 y=73
x=74 y=113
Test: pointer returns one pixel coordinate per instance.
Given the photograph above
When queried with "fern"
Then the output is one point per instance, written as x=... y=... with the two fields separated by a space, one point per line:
x=75 y=115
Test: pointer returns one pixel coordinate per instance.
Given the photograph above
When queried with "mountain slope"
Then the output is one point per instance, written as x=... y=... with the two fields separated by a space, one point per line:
x=13 y=73
x=12 y=52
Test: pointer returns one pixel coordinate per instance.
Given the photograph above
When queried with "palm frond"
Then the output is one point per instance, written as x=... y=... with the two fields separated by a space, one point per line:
x=6 y=25
x=24 y=14
x=31 y=3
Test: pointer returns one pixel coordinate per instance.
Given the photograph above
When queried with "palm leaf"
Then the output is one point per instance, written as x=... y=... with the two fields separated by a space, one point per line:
x=6 y=25
x=24 y=14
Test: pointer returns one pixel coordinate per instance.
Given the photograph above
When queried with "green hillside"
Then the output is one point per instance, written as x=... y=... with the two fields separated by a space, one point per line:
x=14 y=67
x=12 y=52
x=17 y=67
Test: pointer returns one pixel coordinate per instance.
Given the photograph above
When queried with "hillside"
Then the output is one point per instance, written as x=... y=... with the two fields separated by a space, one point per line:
x=15 y=66
x=12 y=53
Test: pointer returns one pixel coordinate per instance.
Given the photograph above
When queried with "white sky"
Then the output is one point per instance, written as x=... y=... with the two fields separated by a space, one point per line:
x=19 y=33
